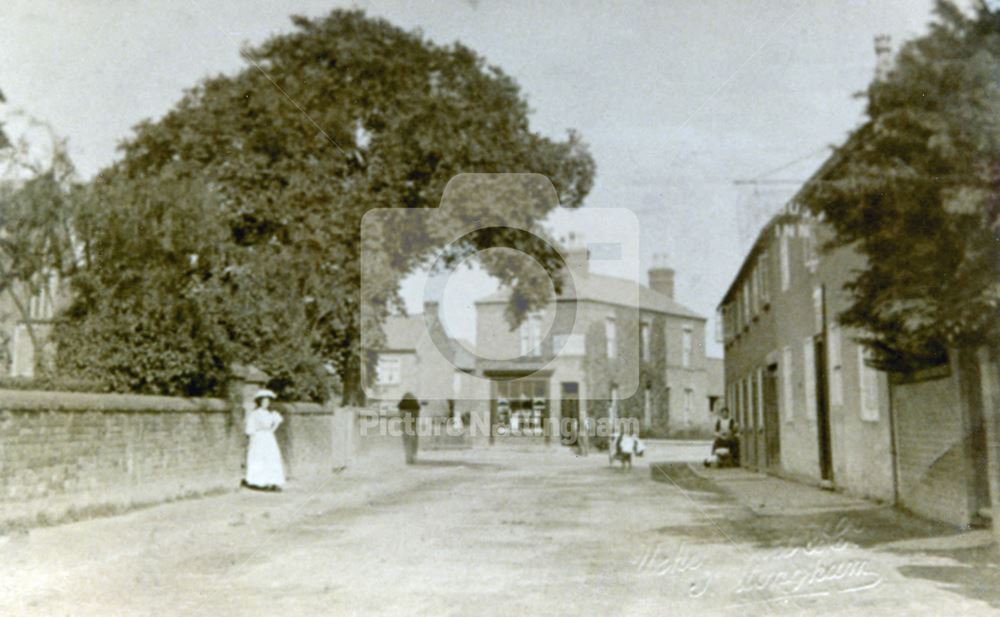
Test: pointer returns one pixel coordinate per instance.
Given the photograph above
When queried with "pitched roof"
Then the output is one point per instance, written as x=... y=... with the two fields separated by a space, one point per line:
x=826 y=169
x=611 y=290
x=403 y=332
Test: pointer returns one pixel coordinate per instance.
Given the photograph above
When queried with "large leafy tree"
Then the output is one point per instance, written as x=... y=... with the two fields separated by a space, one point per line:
x=916 y=189
x=230 y=228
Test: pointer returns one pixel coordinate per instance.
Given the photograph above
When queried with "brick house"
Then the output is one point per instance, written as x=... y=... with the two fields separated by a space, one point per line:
x=811 y=407
x=627 y=350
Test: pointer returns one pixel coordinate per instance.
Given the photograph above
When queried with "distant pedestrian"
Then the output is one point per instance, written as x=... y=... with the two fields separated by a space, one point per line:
x=627 y=447
x=264 y=467
x=409 y=412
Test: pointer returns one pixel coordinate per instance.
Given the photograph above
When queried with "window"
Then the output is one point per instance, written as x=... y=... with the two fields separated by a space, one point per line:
x=868 y=384
x=747 y=420
x=611 y=336
x=531 y=335
x=786 y=272
x=644 y=334
x=760 y=398
x=613 y=404
x=647 y=406
x=754 y=291
x=809 y=377
x=787 y=390
x=836 y=370
x=688 y=402
x=809 y=248
x=817 y=309
x=765 y=278
x=387 y=371
x=746 y=303
x=686 y=347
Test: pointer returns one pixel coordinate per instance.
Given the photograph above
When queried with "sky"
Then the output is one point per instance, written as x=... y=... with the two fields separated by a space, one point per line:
x=677 y=99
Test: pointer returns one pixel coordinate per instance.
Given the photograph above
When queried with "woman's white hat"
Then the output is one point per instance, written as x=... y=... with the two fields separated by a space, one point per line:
x=264 y=393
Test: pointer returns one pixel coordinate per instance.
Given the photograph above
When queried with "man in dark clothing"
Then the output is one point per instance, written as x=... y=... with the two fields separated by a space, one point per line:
x=409 y=411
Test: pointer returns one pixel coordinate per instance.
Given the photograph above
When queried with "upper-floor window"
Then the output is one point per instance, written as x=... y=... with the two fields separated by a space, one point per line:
x=746 y=303
x=765 y=277
x=645 y=337
x=786 y=271
x=809 y=254
x=531 y=335
x=686 y=346
x=611 y=336
x=387 y=371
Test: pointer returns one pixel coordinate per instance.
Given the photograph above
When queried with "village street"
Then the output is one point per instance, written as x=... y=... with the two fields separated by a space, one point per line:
x=502 y=531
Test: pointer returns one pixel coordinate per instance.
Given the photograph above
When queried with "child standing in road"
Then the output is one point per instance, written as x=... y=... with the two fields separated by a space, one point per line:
x=264 y=467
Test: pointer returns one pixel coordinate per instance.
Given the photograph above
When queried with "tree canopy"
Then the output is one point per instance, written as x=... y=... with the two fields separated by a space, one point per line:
x=229 y=230
x=915 y=190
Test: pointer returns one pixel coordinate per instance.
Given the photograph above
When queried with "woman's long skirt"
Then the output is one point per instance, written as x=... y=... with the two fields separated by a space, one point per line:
x=264 y=466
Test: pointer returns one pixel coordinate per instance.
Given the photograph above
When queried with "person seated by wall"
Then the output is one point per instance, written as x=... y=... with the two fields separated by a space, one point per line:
x=726 y=446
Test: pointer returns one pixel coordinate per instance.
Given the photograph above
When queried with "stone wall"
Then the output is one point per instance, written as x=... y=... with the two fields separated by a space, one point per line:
x=68 y=455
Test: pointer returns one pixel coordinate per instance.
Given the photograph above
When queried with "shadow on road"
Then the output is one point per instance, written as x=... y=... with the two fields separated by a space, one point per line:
x=460 y=463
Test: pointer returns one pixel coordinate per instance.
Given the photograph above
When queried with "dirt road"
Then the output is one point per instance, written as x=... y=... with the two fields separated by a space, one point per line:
x=475 y=532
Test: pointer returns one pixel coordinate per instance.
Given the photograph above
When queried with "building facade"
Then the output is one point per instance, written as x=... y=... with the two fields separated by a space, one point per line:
x=26 y=317
x=627 y=351
x=812 y=408
x=809 y=405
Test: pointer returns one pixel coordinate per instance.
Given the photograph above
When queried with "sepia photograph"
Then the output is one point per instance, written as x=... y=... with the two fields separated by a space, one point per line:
x=480 y=308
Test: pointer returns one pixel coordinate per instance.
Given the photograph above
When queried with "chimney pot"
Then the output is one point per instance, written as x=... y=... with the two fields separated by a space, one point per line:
x=661 y=280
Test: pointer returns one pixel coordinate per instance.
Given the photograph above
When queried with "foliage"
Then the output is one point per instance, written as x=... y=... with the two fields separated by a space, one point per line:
x=915 y=190
x=265 y=176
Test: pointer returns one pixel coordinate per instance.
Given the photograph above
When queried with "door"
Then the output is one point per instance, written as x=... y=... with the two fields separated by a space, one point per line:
x=569 y=410
x=772 y=422
x=822 y=411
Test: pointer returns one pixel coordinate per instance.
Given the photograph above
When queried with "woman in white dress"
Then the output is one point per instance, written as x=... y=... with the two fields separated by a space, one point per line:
x=264 y=468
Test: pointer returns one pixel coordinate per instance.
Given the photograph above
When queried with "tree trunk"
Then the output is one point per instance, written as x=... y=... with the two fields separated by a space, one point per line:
x=989 y=379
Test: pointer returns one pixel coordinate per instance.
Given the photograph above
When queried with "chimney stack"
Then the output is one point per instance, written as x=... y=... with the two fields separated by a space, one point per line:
x=661 y=276
x=883 y=56
x=576 y=255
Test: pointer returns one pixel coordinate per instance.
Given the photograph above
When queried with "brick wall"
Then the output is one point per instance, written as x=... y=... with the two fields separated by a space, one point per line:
x=933 y=450
x=66 y=455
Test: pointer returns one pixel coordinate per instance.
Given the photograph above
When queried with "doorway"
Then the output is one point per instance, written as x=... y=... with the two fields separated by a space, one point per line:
x=569 y=410
x=772 y=424
x=822 y=411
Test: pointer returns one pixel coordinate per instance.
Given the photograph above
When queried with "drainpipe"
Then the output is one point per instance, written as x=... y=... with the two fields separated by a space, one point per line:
x=892 y=443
